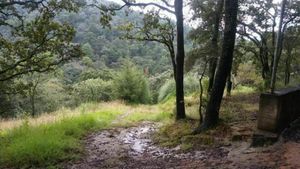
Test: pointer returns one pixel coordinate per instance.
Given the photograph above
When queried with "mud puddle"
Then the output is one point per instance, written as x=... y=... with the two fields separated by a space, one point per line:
x=133 y=148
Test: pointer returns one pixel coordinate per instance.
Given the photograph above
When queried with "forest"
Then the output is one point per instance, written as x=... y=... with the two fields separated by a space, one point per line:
x=149 y=84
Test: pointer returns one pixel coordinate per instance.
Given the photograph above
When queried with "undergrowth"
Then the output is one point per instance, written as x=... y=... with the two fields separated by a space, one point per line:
x=48 y=144
x=51 y=139
x=237 y=119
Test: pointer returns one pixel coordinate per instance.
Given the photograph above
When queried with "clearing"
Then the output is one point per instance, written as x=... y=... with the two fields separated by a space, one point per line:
x=141 y=136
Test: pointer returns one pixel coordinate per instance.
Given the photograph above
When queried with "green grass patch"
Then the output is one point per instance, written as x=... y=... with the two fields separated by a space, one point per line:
x=180 y=134
x=155 y=117
x=243 y=90
x=171 y=134
x=46 y=145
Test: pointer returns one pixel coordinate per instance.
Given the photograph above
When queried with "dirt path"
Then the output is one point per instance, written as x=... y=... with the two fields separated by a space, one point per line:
x=132 y=148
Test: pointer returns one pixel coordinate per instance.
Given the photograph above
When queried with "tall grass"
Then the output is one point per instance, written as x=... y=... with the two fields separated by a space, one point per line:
x=48 y=144
x=50 y=139
x=64 y=113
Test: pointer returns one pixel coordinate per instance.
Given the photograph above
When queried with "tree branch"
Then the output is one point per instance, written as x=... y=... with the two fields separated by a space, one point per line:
x=15 y=2
x=127 y=3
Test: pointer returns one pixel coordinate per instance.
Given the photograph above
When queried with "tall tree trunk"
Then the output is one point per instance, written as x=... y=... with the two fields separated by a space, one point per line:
x=228 y=85
x=215 y=45
x=288 y=67
x=278 y=48
x=173 y=59
x=180 y=109
x=224 y=66
x=32 y=101
x=32 y=94
x=201 y=92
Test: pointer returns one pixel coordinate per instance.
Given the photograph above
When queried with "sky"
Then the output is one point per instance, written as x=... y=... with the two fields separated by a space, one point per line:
x=186 y=10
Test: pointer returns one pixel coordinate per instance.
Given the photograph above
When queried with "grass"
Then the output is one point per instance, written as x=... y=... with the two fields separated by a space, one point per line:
x=48 y=144
x=51 y=139
x=243 y=90
x=179 y=134
x=237 y=116
x=65 y=113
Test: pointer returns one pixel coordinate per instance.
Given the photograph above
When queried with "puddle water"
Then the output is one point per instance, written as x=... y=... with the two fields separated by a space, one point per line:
x=133 y=148
x=137 y=138
x=139 y=141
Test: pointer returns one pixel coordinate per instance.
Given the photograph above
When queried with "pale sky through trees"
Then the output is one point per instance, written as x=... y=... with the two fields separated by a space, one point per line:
x=186 y=10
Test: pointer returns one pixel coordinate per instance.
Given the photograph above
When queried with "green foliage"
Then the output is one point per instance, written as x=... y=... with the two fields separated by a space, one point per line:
x=93 y=90
x=72 y=72
x=35 y=42
x=142 y=116
x=105 y=47
x=52 y=95
x=156 y=81
x=168 y=89
x=88 y=50
x=46 y=145
x=90 y=73
x=247 y=76
x=171 y=134
x=131 y=85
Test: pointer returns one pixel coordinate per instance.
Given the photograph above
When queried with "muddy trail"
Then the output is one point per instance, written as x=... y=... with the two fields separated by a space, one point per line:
x=130 y=148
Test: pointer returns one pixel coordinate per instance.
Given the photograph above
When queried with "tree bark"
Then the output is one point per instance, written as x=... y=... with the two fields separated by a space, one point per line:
x=228 y=85
x=215 y=45
x=180 y=109
x=278 y=48
x=173 y=58
x=224 y=66
x=32 y=94
x=288 y=67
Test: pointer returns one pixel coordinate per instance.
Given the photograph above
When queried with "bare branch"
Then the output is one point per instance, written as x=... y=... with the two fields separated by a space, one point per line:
x=168 y=4
x=19 y=2
x=127 y=3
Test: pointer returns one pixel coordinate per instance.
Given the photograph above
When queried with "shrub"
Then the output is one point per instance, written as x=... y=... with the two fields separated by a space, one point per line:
x=191 y=85
x=131 y=85
x=247 y=76
x=156 y=81
x=93 y=90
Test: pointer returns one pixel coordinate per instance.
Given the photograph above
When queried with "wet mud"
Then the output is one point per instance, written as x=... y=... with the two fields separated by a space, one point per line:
x=130 y=148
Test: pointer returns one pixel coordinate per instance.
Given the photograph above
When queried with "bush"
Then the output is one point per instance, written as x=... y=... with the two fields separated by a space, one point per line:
x=156 y=81
x=93 y=90
x=51 y=95
x=191 y=85
x=247 y=76
x=131 y=85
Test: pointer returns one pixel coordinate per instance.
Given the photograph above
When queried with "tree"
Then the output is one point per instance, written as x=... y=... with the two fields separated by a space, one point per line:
x=290 y=43
x=34 y=81
x=93 y=90
x=31 y=39
x=180 y=109
x=278 y=48
x=224 y=66
x=88 y=50
x=131 y=85
x=260 y=29
x=176 y=9
x=154 y=29
x=211 y=13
